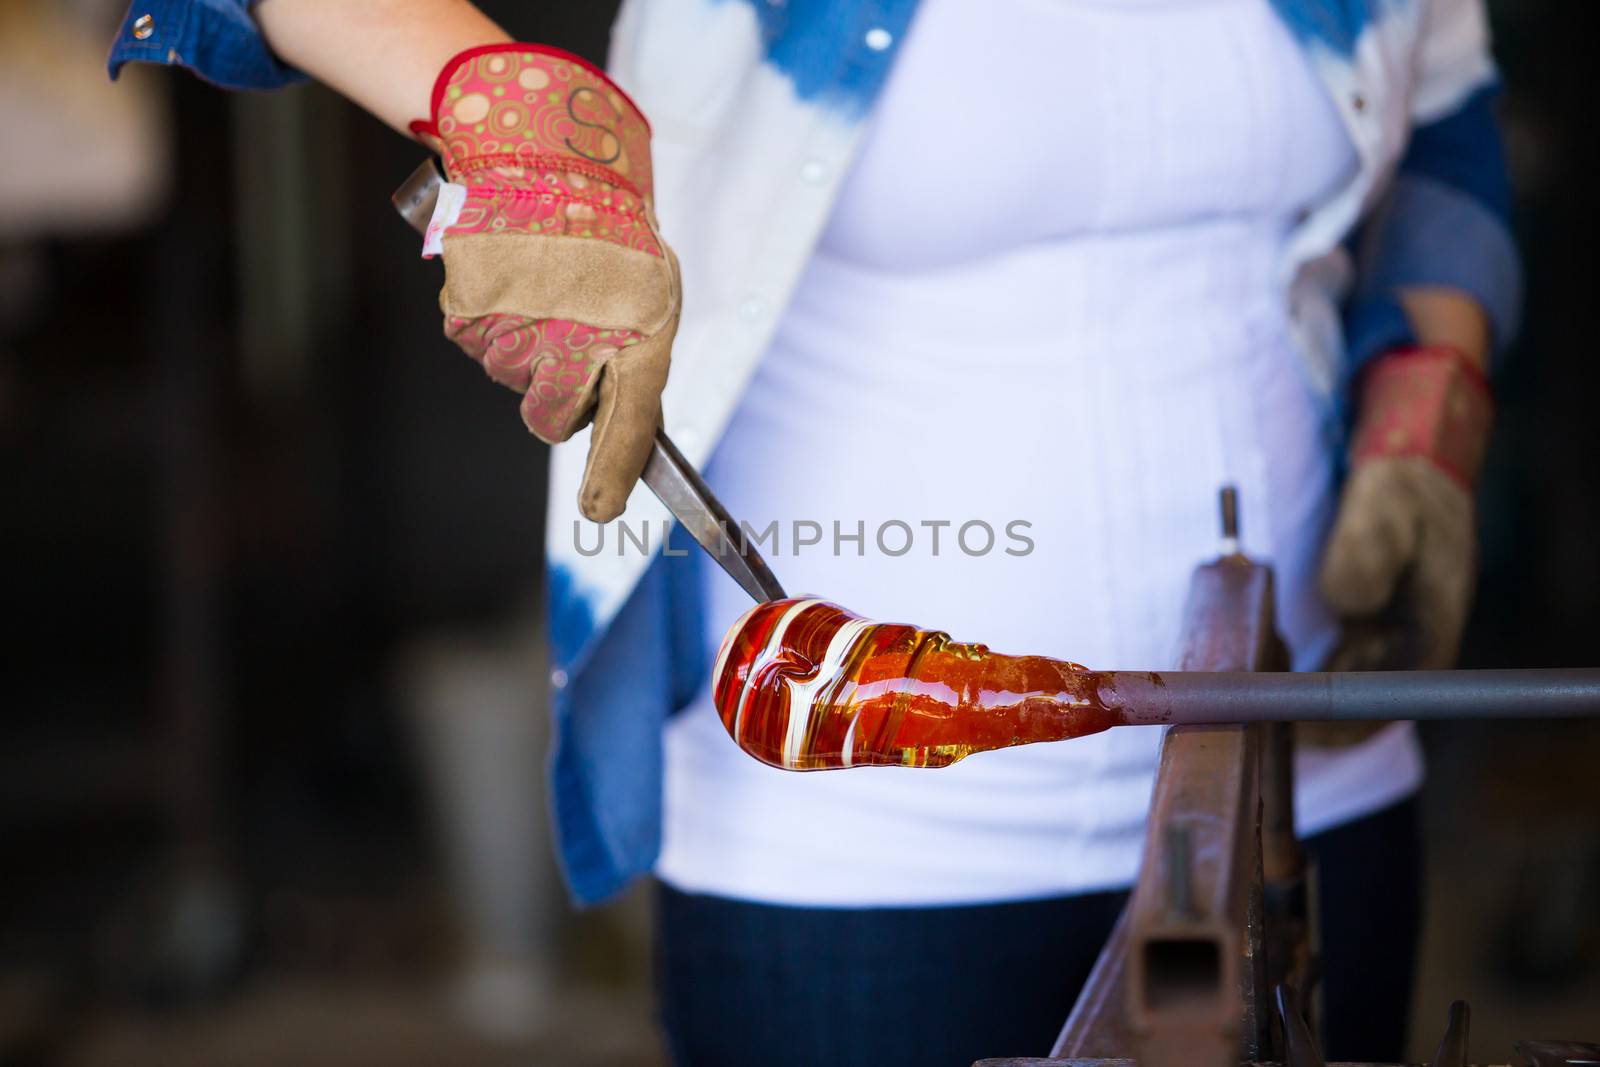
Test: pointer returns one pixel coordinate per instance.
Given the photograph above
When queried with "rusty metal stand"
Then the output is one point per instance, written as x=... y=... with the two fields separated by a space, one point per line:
x=1203 y=967
x=1181 y=979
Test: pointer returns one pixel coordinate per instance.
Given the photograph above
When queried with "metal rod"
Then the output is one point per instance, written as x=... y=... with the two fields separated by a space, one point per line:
x=1226 y=697
x=679 y=486
x=1228 y=501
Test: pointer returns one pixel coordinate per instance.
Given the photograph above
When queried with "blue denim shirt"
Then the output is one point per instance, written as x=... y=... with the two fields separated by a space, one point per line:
x=217 y=39
x=621 y=673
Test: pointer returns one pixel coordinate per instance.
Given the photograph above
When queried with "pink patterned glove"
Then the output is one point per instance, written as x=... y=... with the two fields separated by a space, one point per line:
x=557 y=281
x=1400 y=564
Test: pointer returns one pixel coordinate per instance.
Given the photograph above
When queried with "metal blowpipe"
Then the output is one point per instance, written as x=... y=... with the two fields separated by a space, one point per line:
x=1163 y=697
x=1202 y=697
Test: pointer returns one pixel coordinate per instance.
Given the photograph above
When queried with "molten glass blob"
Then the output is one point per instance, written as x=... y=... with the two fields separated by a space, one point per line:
x=805 y=685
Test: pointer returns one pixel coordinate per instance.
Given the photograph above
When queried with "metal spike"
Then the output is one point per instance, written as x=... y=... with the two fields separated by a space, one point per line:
x=1299 y=1047
x=1452 y=1051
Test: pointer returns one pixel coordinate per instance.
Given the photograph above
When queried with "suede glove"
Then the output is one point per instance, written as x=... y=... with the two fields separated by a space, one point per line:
x=1400 y=564
x=557 y=280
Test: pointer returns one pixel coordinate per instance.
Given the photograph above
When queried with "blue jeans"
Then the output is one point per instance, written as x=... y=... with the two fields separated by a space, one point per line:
x=742 y=983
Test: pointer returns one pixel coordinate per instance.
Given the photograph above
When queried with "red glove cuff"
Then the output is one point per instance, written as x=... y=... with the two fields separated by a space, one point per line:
x=533 y=108
x=1428 y=401
x=544 y=144
x=429 y=127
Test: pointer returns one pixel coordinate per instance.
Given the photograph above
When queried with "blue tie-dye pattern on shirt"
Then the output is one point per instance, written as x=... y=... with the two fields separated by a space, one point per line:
x=822 y=46
x=569 y=616
x=1334 y=23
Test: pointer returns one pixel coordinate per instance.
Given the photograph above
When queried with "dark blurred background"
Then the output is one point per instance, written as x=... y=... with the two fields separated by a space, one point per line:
x=269 y=768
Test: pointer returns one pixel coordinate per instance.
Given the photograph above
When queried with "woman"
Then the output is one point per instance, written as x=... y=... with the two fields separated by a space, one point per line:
x=1068 y=263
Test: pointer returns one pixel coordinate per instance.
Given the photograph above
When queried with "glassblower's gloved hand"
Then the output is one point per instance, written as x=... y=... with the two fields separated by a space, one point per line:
x=557 y=280
x=1399 y=566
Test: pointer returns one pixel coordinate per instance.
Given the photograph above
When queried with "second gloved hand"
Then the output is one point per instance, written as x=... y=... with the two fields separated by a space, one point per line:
x=557 y=280
x=1400 y=565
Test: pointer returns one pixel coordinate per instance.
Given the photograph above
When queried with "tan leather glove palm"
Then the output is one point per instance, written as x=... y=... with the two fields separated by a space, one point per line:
x=557 y=280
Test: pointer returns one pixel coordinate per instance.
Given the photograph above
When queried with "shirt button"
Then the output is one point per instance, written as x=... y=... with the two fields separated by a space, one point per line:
x=750 y=308
x=813 y=172
x=879 y=38
x=685 y=437
x=143 y=27
x=1358 y=102
x=558 y=678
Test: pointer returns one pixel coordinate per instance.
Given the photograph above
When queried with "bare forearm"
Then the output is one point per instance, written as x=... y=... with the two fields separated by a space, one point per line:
x=382 y=54
x=1442 y=316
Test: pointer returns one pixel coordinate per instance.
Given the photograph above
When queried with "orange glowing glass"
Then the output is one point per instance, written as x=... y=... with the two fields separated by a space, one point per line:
x=805 y=685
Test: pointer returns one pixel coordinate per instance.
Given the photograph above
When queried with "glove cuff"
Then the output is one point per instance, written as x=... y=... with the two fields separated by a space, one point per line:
x=1428 y=401
x=543 y=144
x=533 y=107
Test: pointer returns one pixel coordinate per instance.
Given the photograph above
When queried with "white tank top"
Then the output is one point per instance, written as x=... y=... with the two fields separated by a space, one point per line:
x=1050 y=294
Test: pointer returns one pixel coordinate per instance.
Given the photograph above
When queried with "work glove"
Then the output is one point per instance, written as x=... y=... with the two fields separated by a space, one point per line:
x=557 y=280
x=1400 y=564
